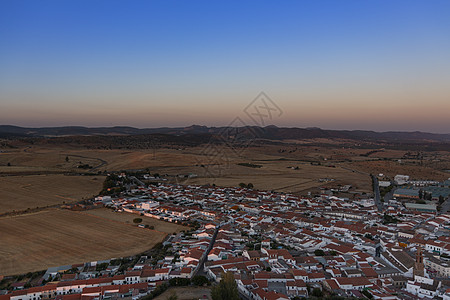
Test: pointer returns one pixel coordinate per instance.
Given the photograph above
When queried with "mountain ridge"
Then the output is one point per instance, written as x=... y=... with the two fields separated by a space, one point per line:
x=269 y=132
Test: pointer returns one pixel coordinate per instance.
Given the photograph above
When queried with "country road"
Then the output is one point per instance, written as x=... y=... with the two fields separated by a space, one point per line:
x=376 y=193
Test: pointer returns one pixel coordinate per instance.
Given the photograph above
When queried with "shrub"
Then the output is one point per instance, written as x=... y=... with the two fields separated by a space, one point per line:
x=200 y=280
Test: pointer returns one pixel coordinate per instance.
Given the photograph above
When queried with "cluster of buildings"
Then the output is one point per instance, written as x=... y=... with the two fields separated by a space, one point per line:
x=421 y=189
x=278 y=246
x=96 y=288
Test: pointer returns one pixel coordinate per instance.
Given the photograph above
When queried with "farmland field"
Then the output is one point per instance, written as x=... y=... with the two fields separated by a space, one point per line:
x=56 y=237
x=22 y=192
x=127 y=218
x=273 y=175
x=278 y=177
x=392 y=168
x=344 y=165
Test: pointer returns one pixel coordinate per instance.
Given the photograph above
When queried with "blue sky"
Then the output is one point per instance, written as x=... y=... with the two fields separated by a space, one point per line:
x=381 y=65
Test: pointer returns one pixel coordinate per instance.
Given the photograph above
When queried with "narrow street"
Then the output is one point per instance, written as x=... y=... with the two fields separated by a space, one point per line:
x=200 y=268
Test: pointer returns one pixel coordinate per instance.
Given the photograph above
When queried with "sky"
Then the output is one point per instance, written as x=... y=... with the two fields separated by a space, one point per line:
x=375 y=65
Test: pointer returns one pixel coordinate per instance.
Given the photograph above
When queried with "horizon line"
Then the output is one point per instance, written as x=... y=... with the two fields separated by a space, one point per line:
x=192 y=125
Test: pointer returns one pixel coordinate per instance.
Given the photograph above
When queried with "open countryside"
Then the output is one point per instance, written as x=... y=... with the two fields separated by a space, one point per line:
x=28 y=192
x=34 y=242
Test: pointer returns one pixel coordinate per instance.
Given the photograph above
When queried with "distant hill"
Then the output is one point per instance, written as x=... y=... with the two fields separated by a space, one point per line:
x=268 y=133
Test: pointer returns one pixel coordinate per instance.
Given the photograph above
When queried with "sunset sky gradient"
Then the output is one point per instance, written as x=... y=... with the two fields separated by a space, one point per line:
x=378 y=65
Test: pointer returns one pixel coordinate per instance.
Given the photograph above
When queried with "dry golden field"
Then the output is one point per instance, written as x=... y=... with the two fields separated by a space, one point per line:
x=127 y=218
x=58 y=237
x=392 y=168
x=279 y=176
x=43 y=159
x=53 y=159
x=22 y=192
x=221 y=168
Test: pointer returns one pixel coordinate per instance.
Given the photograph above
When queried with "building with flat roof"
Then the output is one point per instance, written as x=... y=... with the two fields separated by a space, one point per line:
x=406 y=193
x=421 y=207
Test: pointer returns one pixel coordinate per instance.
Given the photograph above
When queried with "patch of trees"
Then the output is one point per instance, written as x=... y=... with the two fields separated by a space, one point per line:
x=317 y=292
x=368 y=236
x=156 y=292
x=319 y=252
x=226 y=289
x=197 y=280
x=200 y=280
x=159 y=252
x=367 y=294
x=195 y=225
x=6 y=282
x=253 y=246
x=127 y=262
x=246 y=186
x=84 y=166
x=112 y=185
x=388 y=219
x=385 y=190
x=112 y=191
x=179 y=281
x=101 y=267
x=249 y=165
x=115 y=262
x=370 y=152
x=425 y=195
